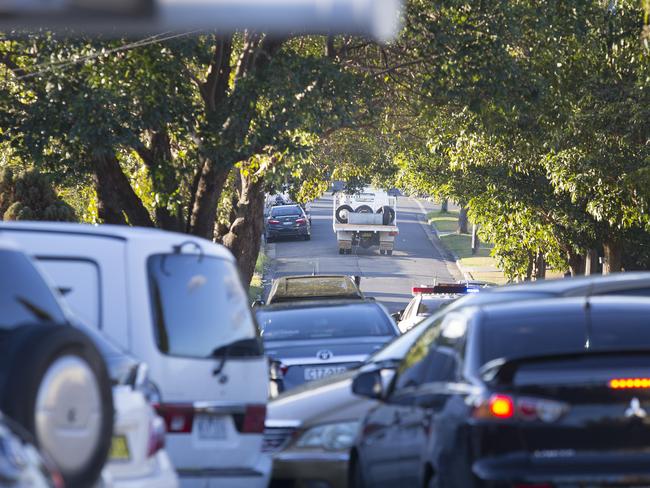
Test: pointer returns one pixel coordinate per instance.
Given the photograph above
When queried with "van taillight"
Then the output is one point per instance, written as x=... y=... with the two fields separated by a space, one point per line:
x=178 y=418
x=254 y=419
x=507 y=407
x=156 y=436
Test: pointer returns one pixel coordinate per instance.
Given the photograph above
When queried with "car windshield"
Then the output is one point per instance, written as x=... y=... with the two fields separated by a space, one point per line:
x=24 y=296
x=198 y=304
x=365 y=320
x=286 y=211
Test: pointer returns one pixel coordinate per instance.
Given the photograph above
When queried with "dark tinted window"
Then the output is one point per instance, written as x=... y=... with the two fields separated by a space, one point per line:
x=286 y=211
x=617 y=328
x=528 y=335
x=324 y=322
x=198 y=304
x=24 y=295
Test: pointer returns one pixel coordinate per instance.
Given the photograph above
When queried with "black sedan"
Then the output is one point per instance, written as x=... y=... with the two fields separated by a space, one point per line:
x=546 y=393
x=287 y=221
x=312 y=340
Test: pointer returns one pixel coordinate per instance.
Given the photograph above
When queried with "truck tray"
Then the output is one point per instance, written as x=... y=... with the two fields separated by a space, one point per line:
x=364 y=228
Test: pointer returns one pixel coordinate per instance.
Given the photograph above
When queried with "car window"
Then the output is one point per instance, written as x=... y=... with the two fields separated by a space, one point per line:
x=25 y=297
x=430 y=305
x=78 y=282
x=198 y=304
x=286 y=211
x=324 y=322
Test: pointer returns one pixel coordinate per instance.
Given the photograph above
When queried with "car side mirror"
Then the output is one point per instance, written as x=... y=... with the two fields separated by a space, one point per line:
x=373 y=384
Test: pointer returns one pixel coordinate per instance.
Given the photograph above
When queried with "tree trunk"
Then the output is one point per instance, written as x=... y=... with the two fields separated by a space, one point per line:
x=208 y=193
x=591 y=262
x=613 y=257
x=463 y=221
x=163 y=180
x=577 y=263
x=444 y=206
x=529 y=268
x=245 y=235
x=108 y=206
x=115 y=190
x=540 y=266
x=476 y=242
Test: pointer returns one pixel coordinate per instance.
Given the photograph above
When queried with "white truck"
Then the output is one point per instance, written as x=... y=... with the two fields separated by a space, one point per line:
x=366 y=219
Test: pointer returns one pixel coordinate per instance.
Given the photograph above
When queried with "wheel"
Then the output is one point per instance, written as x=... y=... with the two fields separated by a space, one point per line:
x=342 y=213
x=307 y=237
x=389 y=252
x=55 y=384
x=341 y=250
x=364 y=209
x=388 y=214
x=382 y=252
x=348 y=251
x=269 y=239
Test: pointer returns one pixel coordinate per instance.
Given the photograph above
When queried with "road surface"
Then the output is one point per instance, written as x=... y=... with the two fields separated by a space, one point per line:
x=416 y=259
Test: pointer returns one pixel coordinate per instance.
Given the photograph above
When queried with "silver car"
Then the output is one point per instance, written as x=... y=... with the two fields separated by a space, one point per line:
x=312 y=340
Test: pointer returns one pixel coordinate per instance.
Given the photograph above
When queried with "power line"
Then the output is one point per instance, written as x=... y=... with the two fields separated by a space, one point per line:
x=141 y=43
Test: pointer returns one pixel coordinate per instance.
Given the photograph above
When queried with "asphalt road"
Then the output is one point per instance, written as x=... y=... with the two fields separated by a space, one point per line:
x=415 y=260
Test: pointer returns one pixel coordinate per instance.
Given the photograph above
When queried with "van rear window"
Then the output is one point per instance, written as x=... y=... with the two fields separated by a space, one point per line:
x=198 y=305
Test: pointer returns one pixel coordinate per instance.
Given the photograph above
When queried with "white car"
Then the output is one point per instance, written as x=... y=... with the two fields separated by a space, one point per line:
x=427 y=300
x=175 y=302
x=137 y=458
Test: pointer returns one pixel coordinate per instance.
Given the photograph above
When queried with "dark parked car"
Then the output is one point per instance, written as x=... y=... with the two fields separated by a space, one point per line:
x=312 y=340
x=313 y=287
x=545 y=393
x=287 y=221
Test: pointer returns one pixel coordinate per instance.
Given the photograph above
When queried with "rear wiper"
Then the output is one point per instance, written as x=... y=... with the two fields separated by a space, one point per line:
x=37 y=311
x=249 y=347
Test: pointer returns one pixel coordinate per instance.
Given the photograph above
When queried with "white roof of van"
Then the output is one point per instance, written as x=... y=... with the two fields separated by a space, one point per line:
x=122 y=232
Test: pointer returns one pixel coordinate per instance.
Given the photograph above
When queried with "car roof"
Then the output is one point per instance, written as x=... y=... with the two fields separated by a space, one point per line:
x=141 y=235
x=581 y=285
x=552 y=306
x=306 y=286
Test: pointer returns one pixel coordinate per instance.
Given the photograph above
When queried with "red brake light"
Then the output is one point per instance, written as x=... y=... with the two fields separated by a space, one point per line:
x=301 y=221
x=273 y=221
x=502 y=406
x=254 y=419
x=392 y=233
x=156 y=436
x=178 y=418
x=629 y=383
x=422 y=289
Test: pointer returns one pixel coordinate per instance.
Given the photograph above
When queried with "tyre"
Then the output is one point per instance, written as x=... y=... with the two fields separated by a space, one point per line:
x=341 y=250
x=388 y=214
x=307 y=237
x=55 y=384
x=364 y=209
x=269 y=239
x=382 y=252
x=389 y=252
x=356 y=475
x=342 y=213
x=348 y=251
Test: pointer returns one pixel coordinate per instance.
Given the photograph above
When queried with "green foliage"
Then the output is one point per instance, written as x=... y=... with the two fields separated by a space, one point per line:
x=30 y=196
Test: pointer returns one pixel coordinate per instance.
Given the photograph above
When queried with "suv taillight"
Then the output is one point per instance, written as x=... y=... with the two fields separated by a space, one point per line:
x=273 y=221
x=178 y=417
x=301 y=221
x=254 y=419
x=508 y=407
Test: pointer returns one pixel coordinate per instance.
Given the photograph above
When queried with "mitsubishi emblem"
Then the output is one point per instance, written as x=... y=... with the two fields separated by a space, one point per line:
x=635 y=410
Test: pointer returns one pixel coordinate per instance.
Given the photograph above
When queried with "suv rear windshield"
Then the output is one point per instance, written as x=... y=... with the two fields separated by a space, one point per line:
x=324 y=323
x=283 y=211
x=24 y=296
x=198 y=305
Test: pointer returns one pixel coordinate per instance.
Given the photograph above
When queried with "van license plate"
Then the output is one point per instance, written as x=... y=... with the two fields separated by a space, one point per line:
x=211 y=427
x=318 y=373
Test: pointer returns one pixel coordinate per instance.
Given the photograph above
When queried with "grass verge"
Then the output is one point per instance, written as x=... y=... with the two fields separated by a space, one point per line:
x=256 y=288
x=444 y=221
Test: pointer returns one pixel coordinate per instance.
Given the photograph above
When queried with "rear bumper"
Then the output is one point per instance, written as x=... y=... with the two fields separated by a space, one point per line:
x=293 y=232
x=255 y=477
x=163 y=476
x=310 y=469
x=562 y=468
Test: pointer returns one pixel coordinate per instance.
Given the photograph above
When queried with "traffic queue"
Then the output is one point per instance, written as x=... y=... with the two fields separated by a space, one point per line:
x=133 y=358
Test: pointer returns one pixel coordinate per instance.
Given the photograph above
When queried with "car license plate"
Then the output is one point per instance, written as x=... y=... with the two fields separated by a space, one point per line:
x=287 y=223
x=211 y=427
x=318 y=373
x=119 y=449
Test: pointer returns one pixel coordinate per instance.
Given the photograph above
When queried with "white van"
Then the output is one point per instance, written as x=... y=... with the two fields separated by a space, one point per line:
x=175 y=302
